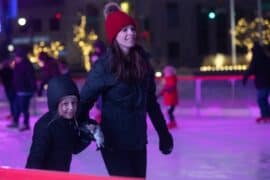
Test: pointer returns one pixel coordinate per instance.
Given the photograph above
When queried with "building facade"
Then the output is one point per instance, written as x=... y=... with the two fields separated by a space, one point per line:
x=54 y=20
x=183 y=32
x=179 y=32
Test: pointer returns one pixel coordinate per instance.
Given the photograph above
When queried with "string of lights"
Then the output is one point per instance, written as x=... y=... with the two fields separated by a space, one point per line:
x=84 y=41
x=53 y=50
x=246 y=34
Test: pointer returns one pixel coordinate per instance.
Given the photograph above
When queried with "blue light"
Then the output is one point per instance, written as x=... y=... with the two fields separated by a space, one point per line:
x=211 y=15
x=13 y=8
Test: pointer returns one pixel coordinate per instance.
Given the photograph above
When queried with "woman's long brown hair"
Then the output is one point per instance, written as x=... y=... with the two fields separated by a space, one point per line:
x=132 y=67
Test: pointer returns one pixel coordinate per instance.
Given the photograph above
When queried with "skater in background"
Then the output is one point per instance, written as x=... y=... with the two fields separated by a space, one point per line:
x=49 y=70
x=259 y=67
x=24 y=83
x=170 y=93
x=126 y=82
x=6 y=74
x=57 y=135
x=63 y=67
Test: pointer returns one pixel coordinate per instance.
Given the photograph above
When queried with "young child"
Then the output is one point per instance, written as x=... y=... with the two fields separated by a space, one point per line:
x=169 y=93
x=56 y=134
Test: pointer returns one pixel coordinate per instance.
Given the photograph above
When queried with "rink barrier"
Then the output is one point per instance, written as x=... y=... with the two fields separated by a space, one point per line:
x=198 y=81
x=30 y=174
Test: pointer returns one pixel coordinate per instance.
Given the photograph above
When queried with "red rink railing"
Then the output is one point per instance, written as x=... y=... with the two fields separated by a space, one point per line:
x=198 y=79
x=23 y=174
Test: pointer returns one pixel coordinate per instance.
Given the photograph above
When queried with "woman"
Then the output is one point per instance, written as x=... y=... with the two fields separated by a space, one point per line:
x=125 y=80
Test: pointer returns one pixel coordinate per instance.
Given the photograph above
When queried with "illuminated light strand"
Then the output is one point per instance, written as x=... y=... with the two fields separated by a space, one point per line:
x=53 y=50
x=246 y=34
x=84 y=41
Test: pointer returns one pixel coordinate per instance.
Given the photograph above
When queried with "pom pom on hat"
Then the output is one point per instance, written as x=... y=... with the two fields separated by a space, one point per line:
x=115 y=20
x=110 y=7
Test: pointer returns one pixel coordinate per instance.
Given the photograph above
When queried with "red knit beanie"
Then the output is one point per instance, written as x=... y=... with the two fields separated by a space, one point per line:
x=115 y=21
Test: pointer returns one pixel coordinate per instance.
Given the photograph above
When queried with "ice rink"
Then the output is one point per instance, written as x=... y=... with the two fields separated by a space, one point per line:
x=210 y=143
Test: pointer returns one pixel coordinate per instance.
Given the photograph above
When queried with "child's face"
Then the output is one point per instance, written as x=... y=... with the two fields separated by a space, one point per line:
x=68 y=107
x=168 y=71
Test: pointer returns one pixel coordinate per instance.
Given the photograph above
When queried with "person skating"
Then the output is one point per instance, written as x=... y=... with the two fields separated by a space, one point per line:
x=24 y=83
x=125 y=80
x=170 y=93
x=259 y=67
x=6 y=74
x=57 y=134
x=49 y=69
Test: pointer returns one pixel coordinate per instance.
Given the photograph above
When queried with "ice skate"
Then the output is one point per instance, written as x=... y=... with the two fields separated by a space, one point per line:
x=263 y=120
x=13 y=125
x=24 y=128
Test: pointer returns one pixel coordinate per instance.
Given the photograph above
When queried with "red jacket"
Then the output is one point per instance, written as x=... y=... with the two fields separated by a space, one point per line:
x=169 y=92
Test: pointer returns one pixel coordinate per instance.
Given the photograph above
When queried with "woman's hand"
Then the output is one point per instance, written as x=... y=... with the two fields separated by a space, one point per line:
x=97 y=135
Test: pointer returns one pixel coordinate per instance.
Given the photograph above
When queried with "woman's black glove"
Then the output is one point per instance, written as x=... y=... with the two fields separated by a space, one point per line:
x=166 y=143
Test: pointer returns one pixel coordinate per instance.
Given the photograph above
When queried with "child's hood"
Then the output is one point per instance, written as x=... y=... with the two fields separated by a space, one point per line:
x=59 y=87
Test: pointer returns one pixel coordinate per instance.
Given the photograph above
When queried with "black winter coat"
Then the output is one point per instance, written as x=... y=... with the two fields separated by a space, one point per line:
x=260 y=68
x=54 y=142
x=24 y=79
x=6 y=74
x=124 y=106
x=55 y=139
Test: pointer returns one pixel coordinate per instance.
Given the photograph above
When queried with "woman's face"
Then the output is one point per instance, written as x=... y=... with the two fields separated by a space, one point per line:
x=126 y=38
x=67 y=107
